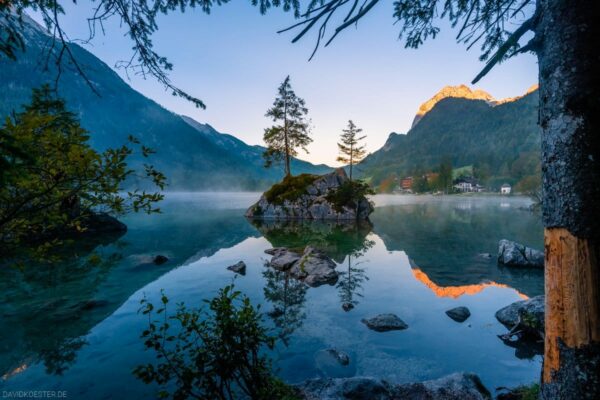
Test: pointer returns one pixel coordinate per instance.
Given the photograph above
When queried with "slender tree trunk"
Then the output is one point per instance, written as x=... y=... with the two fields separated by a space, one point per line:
x=351 y=160
x=288 y=171
x=568 y=55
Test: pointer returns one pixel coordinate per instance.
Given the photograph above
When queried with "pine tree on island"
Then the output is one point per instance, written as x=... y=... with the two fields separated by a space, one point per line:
x=351 y=153
x=292 y=128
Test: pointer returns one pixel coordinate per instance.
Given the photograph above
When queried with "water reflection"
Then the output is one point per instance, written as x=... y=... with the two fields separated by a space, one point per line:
x=46 y=309
x=287 y=297
x=336 y=239
x=345 y=242
x=452 y=246
x=454 y=292
x=416 y=260
x=351 y=279
x=62 y=296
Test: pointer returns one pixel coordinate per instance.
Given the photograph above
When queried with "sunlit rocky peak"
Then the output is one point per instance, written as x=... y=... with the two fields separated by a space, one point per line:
x=532 y=89
x=464 y=92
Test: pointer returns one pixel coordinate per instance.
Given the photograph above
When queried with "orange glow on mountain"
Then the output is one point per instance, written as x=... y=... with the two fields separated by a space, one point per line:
x=465 y=92
x=511 y=99
x=460 y=91
x=455 y=292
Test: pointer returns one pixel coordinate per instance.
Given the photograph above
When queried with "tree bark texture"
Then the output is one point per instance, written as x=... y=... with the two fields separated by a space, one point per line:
x=567 y=33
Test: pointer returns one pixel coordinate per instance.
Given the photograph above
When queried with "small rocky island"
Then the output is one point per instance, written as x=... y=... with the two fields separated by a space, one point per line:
x=327 y=197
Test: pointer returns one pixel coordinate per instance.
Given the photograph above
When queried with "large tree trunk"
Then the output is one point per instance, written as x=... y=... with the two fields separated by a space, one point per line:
x=568 y=55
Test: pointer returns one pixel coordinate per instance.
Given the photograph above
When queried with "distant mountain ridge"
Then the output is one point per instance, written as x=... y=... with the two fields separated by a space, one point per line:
x=499 y=136
x=194 y=156
x=463 y=92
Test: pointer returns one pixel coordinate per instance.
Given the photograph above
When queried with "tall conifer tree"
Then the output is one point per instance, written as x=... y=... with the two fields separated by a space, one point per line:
x=351 y=152
x=292 y=131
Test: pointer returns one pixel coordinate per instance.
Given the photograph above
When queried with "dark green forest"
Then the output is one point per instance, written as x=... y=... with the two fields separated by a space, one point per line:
x=193 y=156
x=501 y=142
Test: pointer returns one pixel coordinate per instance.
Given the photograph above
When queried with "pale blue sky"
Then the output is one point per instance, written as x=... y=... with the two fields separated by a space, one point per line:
x=234 y=60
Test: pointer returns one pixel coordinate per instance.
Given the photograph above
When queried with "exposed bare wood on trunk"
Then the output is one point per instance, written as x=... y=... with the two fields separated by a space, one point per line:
x=572 y=295
x=567 y=33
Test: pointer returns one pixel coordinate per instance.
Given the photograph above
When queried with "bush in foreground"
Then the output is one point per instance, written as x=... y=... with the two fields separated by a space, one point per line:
x=215 y=353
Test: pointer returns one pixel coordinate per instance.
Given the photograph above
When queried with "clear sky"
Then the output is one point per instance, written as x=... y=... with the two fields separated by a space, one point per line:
x=234 y=60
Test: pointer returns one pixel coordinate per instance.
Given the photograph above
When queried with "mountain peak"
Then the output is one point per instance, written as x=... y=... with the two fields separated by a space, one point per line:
x=459 y=91
x=465 y=92
x=531 y=89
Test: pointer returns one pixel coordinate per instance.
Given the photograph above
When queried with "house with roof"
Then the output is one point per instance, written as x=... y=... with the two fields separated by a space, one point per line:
x=465 y=184
x=406 y=183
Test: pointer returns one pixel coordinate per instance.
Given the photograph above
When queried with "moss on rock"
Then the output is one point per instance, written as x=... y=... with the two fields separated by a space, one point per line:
x=290 y=188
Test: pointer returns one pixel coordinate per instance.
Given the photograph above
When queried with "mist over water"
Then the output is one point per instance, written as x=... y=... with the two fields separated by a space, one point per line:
x=420 y=256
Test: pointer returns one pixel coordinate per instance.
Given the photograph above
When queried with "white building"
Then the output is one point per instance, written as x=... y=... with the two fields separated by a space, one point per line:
x=464 y=186
x=505 y=189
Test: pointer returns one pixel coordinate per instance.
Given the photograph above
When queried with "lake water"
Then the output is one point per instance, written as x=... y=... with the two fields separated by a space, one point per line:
x=420 y=257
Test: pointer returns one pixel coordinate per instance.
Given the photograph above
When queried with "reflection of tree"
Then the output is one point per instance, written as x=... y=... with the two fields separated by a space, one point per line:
x=340 y=240
x=349 y=285
x=62 y=295
x=337 y=239
x=350 y=280
x=58 y=359
x=287 y=295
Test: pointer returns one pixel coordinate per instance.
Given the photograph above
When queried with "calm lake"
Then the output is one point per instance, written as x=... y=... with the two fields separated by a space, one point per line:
x=76 y=327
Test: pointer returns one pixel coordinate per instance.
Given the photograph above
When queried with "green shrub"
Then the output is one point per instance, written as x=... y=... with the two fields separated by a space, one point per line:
x=524 y=392
x=531 y=392
x=52 y=182
x=348 y=194
x=215 y=353
x=290 y=188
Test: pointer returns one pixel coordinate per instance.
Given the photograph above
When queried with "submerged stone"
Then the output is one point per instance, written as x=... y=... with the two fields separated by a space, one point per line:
x=160 y=259
x=340 y=356
x=334 y=363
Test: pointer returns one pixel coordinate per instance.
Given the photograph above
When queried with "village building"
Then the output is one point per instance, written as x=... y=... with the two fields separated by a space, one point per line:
x=467 y=184
x=406 y=183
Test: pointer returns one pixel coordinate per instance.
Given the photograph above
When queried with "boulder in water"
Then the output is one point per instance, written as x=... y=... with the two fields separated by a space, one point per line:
x=312 y=266
x=384 y=323
x=284 y=259
x=459 y=314
x=238 y=268
x=458 y=386
x=315 y=268
x=514 y=254
x=527 y=315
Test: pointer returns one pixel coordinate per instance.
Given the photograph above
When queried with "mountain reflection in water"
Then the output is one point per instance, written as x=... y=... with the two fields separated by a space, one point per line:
x=72 y=324
x=448 y=241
